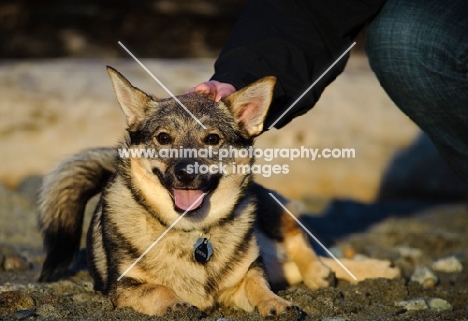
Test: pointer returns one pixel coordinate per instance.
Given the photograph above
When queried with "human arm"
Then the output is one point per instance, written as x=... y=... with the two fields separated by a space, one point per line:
x=296 y=41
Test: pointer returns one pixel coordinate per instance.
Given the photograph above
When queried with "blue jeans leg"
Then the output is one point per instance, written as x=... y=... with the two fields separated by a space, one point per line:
x=419 y=51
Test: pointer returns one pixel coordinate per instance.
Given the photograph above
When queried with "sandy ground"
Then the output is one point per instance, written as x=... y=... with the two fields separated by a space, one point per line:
x=414 y=238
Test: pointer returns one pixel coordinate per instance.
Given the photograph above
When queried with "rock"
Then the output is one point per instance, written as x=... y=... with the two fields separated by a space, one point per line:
x=439 y=304
x=416 y=304
x=12 y=301
x=332 y=319
x=409 y=253
x=424 y=276
x=349 y=252
x=10 y=260
x=449 y=265
x=360 y=257
x=336 y=251
x=15 y=263
x=22 y=314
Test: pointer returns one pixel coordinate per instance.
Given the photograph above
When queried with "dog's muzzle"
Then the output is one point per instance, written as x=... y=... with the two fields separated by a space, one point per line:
x=185 y=199
x=189 y=184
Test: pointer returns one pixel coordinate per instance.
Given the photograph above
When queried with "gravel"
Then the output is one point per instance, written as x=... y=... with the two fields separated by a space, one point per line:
x=439 y=232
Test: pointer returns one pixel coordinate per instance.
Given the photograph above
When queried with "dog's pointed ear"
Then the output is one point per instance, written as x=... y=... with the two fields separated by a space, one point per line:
x=132 y=100
x=250 y=104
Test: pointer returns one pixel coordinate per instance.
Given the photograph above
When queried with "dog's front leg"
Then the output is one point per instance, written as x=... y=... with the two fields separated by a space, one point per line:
x=253 y=293
x=150 y=299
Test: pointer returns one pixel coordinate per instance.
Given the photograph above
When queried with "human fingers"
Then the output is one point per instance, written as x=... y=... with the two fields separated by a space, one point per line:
x=215 y=89
x=223 y=90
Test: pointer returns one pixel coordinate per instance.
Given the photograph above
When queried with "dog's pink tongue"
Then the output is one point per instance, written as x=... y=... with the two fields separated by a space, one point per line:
x=188 y=198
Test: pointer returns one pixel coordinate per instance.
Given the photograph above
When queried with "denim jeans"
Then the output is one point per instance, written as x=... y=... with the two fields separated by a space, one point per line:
x=419 y=51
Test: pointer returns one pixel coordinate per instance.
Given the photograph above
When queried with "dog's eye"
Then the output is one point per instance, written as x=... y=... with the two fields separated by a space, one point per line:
x=211 y=139
x=164 y=138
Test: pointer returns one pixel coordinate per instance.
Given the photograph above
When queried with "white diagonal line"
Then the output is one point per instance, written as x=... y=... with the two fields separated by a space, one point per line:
x=160 y=237
x=312 y=235
x=310 y=87
x=161 y=84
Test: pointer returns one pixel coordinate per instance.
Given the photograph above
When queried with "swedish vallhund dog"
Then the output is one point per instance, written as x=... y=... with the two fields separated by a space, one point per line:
x=233 y=239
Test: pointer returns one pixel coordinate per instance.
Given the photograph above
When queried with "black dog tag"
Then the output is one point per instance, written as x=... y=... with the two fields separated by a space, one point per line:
x=202 y=250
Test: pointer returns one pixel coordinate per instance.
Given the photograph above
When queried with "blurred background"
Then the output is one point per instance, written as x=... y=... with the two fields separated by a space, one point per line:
x=56 y=99
x=91 y=29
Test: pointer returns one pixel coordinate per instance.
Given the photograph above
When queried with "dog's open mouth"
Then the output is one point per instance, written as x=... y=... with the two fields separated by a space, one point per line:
x=188 y=199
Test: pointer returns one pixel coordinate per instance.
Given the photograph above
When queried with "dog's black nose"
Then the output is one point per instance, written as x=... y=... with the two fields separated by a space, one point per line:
x=185 y=172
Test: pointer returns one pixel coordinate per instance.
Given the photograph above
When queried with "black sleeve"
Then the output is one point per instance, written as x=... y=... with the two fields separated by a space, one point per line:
x=296 y=41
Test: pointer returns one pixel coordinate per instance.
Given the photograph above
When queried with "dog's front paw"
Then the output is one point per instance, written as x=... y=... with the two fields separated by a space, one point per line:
x=317 y=275
x=362 y=269
x=181 y=310
x=373 y=268
x=291 y=312
x=278 y=308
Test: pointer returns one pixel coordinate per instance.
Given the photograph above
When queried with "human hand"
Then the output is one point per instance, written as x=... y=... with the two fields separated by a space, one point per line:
x=215 y=89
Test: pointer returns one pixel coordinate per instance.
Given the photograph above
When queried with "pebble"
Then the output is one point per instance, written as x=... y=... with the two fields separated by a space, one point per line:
x=337 y=252
x=22 y=314
x=10 y=260
x=449 y=265
x=410 y=252
x=12 y=301
x=439 y=304
x=349 y=252
x=424 y=276
x=360 y=257
x=416 y=304
x=15 y=263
